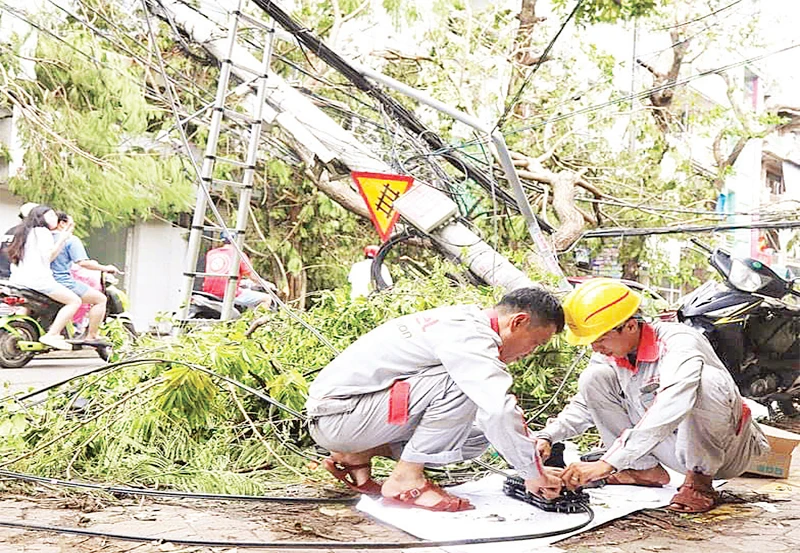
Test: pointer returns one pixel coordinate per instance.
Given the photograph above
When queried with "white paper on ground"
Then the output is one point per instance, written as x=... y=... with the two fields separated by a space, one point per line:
x=497 y=515
x=757 y=410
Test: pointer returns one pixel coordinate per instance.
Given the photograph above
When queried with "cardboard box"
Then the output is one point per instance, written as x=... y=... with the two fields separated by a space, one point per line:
x=775 y=463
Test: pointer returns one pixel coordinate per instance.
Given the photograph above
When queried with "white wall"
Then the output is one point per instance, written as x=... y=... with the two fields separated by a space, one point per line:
x=747 y=183
x=156 y=252
x=9 y=209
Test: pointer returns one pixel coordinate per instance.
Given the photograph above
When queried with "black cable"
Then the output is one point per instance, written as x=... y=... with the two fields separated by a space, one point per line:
x=536 y=67
x=380 y=256
x=647 y=92
x=605 y=233
x=287 y=545
x=163 y=493
x=70 y=379
x=700 y=18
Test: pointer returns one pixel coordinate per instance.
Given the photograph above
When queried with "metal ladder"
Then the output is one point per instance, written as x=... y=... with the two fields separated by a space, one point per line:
x=219 y=114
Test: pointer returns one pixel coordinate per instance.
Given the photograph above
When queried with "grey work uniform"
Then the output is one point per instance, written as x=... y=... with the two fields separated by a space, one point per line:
x=458 y=397
x=678 y=406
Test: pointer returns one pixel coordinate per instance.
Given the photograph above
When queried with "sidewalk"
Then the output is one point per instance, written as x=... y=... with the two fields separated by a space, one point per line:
x=769 y=519
x=764 y=523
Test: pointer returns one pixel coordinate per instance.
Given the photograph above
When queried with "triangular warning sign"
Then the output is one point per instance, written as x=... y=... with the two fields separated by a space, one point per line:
x=379 y=192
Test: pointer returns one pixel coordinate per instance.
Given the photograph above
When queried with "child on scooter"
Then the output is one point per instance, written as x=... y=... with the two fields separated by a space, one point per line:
x=73 y=252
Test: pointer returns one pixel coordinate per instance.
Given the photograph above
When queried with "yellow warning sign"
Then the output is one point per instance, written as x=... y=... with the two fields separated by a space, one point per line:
x=379 y=192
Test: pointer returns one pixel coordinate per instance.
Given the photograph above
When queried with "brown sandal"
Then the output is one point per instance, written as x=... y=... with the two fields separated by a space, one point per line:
x=345 y=474
x=448 y=503
x=693 y=500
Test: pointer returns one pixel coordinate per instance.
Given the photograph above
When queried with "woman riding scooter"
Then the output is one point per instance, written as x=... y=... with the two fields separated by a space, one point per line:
x=31 y=251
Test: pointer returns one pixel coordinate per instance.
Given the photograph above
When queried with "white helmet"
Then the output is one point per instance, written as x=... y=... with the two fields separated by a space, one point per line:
x=25 y=209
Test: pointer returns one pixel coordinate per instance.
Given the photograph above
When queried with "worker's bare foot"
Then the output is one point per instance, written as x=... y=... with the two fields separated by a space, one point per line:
x=653 y=477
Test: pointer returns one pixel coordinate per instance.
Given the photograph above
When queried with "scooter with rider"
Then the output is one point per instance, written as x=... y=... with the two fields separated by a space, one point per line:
x=207 y=304
x=42 y=297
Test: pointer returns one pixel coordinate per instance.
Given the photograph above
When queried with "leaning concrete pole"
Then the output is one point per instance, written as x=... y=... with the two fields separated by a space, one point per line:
x=327 y=140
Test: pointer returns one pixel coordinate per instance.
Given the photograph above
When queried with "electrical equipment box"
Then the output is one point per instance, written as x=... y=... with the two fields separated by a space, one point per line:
x=425 y=207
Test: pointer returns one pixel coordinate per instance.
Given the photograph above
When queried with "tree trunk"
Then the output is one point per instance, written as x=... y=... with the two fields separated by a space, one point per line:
x=661 y=100
x=522 y=55
x=570 y=217
x=297 y=282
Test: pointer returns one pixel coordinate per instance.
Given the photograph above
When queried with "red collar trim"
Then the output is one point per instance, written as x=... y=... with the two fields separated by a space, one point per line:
x=649 y=345
x=648 y=350
x=493 y=322
x=623 y=363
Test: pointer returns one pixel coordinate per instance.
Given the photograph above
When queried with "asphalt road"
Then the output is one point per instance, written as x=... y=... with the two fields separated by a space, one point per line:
x=47 y=369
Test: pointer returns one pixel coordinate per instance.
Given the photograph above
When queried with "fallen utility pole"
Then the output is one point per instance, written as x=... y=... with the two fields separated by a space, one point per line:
x=410 y=121
x=358 y=76
x=326 y=140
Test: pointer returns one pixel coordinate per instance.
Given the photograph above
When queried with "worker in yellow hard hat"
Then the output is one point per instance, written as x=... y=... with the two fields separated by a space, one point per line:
x=659 y=396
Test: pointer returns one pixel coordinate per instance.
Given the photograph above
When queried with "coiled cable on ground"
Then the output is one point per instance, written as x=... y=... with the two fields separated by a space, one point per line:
x=281 y=545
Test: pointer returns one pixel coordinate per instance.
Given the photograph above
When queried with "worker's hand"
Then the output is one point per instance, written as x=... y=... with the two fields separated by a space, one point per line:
x=111 y=269
x=548 y=485
x=544 y=447
x=577 y=475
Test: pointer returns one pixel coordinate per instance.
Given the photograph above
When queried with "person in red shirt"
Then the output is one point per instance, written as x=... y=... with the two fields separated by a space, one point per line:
x=218 y=262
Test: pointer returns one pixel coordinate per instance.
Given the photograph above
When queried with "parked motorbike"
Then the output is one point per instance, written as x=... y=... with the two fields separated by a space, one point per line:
x=203 y=305
x=752 y=325
x=26 y=314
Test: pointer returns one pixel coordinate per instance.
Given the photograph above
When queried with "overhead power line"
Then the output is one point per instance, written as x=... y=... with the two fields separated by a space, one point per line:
x=702 y=17
x=688 y=229
x=536 y=67
x=649 y=91
x=405 y=116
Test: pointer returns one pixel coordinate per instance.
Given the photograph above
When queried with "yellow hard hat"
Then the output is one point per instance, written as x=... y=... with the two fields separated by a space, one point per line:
x=597 y=306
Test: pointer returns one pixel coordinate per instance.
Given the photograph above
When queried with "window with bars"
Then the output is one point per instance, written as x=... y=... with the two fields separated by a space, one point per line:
x=775 y=183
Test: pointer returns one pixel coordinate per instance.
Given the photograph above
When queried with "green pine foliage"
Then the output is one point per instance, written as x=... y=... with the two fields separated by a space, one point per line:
x=168 y=425
x=85 y=122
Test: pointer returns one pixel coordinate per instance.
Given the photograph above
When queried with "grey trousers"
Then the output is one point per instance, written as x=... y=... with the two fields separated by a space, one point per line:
x=705 y=441
x=440 y=427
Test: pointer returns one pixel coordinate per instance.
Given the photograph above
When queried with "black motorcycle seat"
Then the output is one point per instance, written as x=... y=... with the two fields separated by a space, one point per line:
x=206 y=295
x=25 y=291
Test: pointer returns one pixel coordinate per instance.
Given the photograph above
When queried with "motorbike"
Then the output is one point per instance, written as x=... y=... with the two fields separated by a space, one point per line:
x=203 y=305
x=752 y=320
x=26 y=313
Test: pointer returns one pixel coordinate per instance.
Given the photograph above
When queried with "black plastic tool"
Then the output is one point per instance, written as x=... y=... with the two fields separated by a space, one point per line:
x=556 y=458
x=594 y=455
x=567 y=502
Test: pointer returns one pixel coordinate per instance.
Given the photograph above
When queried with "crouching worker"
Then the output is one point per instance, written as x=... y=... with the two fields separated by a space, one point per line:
x=430 y=389
x=658 y=394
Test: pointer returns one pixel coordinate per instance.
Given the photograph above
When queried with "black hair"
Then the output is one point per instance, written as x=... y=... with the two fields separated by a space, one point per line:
x=543 y=306
x=62 y=216
x=34 y=219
